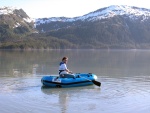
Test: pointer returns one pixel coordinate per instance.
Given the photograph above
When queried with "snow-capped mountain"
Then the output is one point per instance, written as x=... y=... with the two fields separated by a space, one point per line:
x=14 y=10
x=107 y=12
x=110 y=27
x=15 y=21
x=6 y=10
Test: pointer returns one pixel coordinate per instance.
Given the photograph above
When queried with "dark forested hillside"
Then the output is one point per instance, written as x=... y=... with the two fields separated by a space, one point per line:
x=116 y=32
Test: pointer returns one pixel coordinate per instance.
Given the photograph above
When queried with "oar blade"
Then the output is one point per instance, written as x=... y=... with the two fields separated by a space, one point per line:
x=96 y=83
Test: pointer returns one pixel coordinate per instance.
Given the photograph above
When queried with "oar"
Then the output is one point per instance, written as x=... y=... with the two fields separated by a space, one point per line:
x=94 y=81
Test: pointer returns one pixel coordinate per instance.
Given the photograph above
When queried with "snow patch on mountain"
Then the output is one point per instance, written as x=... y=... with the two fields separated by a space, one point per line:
x=132 y=12
x=7 y=10
x=10 y=10
x=16 y=25
x=108 y=12
x=28 y=20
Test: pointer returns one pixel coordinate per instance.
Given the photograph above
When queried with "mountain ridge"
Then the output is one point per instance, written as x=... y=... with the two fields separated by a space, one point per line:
x=109 y=27
x=103 y=13
x=13 y=10
x=14 y=22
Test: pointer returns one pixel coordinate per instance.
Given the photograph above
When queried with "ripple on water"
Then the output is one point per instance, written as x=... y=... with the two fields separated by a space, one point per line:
x=131 y=92
x=124 y=94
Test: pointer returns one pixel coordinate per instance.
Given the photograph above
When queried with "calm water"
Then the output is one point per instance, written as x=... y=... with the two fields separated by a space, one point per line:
x=124 y=74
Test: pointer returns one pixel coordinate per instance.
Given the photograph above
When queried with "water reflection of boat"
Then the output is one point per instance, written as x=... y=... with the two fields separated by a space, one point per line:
x=79 y=79
x=65 y=95
x=55 y=91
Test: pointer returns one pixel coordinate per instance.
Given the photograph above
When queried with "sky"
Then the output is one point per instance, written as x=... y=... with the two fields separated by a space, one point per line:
x=67 y=8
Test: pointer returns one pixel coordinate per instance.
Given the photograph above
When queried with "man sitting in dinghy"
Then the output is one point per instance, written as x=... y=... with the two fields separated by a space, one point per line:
x=64 y=72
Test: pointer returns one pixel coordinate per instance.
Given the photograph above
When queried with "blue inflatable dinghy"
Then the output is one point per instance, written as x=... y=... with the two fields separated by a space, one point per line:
x=78 y=79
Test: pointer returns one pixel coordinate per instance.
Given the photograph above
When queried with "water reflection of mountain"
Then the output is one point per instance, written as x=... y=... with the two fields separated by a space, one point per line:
x=99 y=62
x=22 y=63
